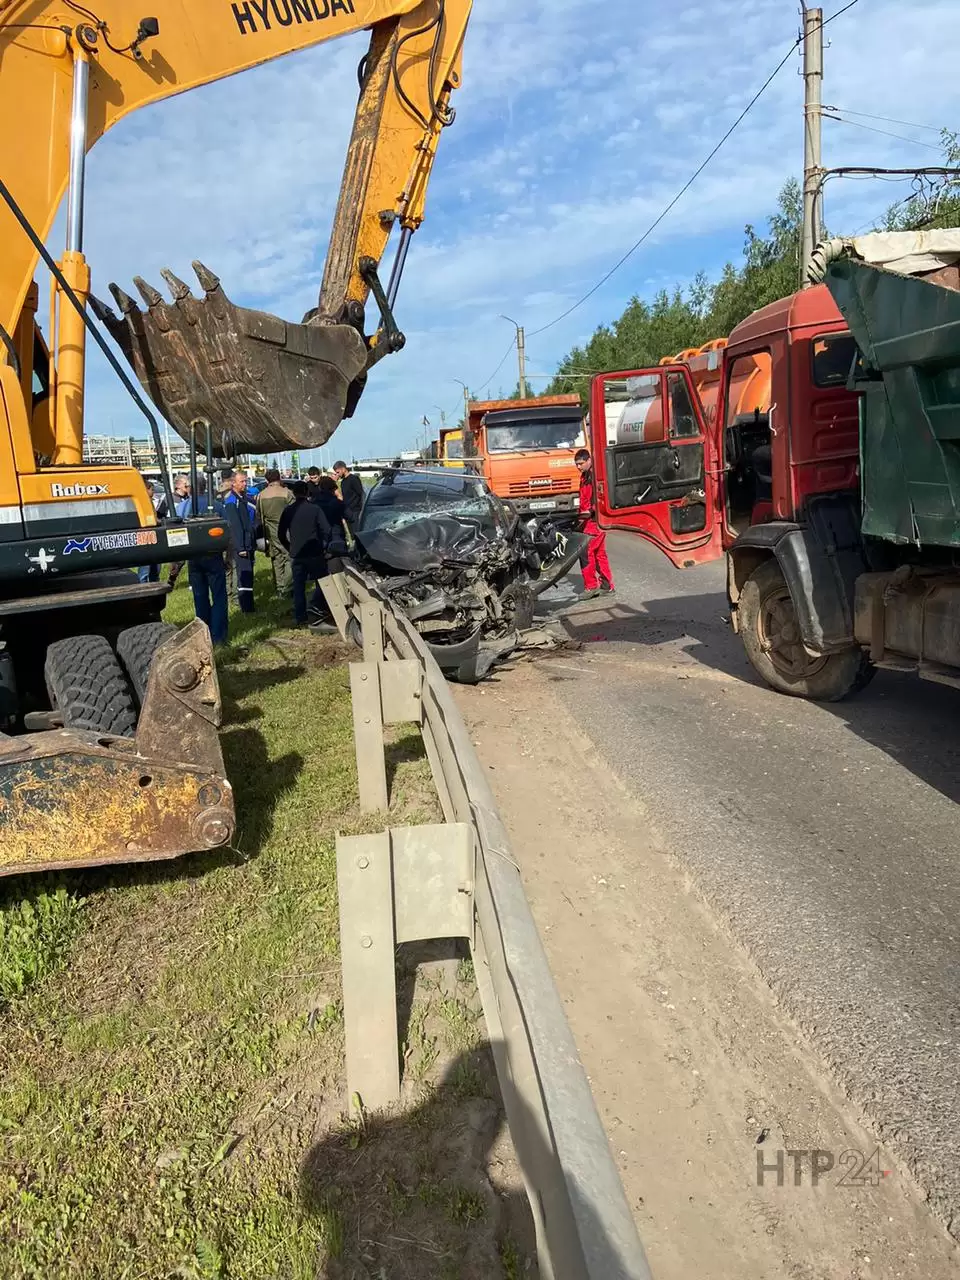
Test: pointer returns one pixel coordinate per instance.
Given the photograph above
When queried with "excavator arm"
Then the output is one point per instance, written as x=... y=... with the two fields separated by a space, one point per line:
x=69 y=71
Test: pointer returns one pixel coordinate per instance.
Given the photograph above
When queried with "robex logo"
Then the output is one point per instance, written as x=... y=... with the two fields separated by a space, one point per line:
x=78 y=490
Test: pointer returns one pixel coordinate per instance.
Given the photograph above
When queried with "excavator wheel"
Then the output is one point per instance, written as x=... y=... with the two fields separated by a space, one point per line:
x=135 y=649
x=87 y=686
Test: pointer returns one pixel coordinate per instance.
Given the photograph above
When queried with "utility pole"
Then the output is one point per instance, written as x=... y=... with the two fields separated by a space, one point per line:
x=521 y=356
x=812 y=121
x=466 y=402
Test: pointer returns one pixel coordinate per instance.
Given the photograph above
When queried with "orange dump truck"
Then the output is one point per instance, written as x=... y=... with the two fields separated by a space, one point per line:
x=524 y=449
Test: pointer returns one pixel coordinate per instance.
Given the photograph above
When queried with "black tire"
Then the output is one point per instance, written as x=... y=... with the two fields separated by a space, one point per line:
x=771 y=638
x=136 y=647
x=87 y=686
x=524 y=603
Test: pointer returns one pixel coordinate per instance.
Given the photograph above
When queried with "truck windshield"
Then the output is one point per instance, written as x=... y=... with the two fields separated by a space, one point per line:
x=544 y=434
x=453 y=449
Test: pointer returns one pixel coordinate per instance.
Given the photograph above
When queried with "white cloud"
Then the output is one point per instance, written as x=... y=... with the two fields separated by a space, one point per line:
x=575 y=125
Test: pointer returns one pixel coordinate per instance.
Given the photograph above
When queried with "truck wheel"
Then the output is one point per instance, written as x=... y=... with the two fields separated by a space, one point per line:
x=772 y=640
x=88 y=688
x=136 y=647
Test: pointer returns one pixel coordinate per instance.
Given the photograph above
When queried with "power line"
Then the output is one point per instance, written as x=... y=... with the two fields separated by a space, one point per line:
x=872 y=222
x=886 y=132
x=839 y=12
x=865 y=115
x=483 y=386
x=692 y=179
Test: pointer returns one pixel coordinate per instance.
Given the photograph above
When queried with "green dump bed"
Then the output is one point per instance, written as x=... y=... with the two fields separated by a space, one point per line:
x=908 y=331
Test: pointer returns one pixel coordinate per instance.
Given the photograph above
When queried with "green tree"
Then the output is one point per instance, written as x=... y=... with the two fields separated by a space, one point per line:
x=771 y=267
x=936 y=201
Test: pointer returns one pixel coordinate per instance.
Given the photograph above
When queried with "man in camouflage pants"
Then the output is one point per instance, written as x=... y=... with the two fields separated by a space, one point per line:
x=271 y=503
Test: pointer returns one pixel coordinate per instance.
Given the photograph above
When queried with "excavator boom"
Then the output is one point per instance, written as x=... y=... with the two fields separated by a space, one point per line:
x=70 y=71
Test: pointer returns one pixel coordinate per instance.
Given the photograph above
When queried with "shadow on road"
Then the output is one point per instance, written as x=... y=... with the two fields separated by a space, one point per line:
x=913 y=721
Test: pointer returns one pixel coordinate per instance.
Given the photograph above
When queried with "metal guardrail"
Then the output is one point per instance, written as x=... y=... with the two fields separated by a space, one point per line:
x=459 y=879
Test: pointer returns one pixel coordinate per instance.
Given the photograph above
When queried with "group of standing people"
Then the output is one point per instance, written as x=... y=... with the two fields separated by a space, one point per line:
x=306 y=525
x=303 y=525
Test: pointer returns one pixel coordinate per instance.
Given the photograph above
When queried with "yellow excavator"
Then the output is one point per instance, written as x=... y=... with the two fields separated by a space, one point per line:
x=109 y=750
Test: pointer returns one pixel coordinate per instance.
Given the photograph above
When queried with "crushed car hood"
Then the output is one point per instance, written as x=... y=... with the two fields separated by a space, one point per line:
x=469 y=587
x=424 y=543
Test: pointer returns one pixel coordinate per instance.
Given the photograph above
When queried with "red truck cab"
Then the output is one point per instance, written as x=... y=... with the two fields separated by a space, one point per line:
x=750 y=448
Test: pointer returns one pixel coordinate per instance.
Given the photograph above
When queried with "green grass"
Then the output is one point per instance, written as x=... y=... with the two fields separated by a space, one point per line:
x=167 y=1028
x=511 y=1259
x=35 y=936
x=171 y=1035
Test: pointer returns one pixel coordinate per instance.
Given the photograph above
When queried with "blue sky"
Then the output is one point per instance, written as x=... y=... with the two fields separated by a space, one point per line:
x=577 y=121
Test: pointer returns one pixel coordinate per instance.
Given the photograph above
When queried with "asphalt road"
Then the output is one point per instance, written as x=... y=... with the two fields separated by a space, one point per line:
x=828 y=837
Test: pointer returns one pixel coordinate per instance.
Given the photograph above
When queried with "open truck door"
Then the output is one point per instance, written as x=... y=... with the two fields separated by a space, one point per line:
x=655 y=466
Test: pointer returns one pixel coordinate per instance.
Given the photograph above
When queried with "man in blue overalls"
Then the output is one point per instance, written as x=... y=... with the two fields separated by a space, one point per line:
x=241 y=521
x=207 y=574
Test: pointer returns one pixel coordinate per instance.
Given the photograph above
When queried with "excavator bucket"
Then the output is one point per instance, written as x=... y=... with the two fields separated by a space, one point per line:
x=73 y=798
x=263 y=384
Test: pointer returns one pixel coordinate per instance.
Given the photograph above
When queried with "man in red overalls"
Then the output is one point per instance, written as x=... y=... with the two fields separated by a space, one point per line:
x=593 y=562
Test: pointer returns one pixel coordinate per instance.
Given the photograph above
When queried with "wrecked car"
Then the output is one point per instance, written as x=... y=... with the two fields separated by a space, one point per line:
x=461 y=564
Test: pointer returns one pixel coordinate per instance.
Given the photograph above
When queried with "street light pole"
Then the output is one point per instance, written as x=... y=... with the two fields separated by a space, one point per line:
x=466 y=402
x=521 y=355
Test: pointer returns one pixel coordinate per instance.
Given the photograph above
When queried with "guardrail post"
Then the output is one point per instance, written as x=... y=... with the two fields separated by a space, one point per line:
x=402 y=885
x=371 y=622
x=367 y=946
x=334 y=592
x=382 y=693
x=368 y=735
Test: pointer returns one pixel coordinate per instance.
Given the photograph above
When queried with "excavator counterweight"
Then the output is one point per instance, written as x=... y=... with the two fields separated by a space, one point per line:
x=264 y=384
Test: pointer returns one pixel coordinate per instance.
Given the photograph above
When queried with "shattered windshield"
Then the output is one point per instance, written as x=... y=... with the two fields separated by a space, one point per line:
x=402 y=498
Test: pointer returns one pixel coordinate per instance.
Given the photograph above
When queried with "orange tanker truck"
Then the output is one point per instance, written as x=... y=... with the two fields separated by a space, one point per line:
x=524 y=449
x=637 y=416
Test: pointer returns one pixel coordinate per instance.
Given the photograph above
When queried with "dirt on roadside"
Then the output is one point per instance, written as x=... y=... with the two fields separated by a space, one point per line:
x=738 y=1156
